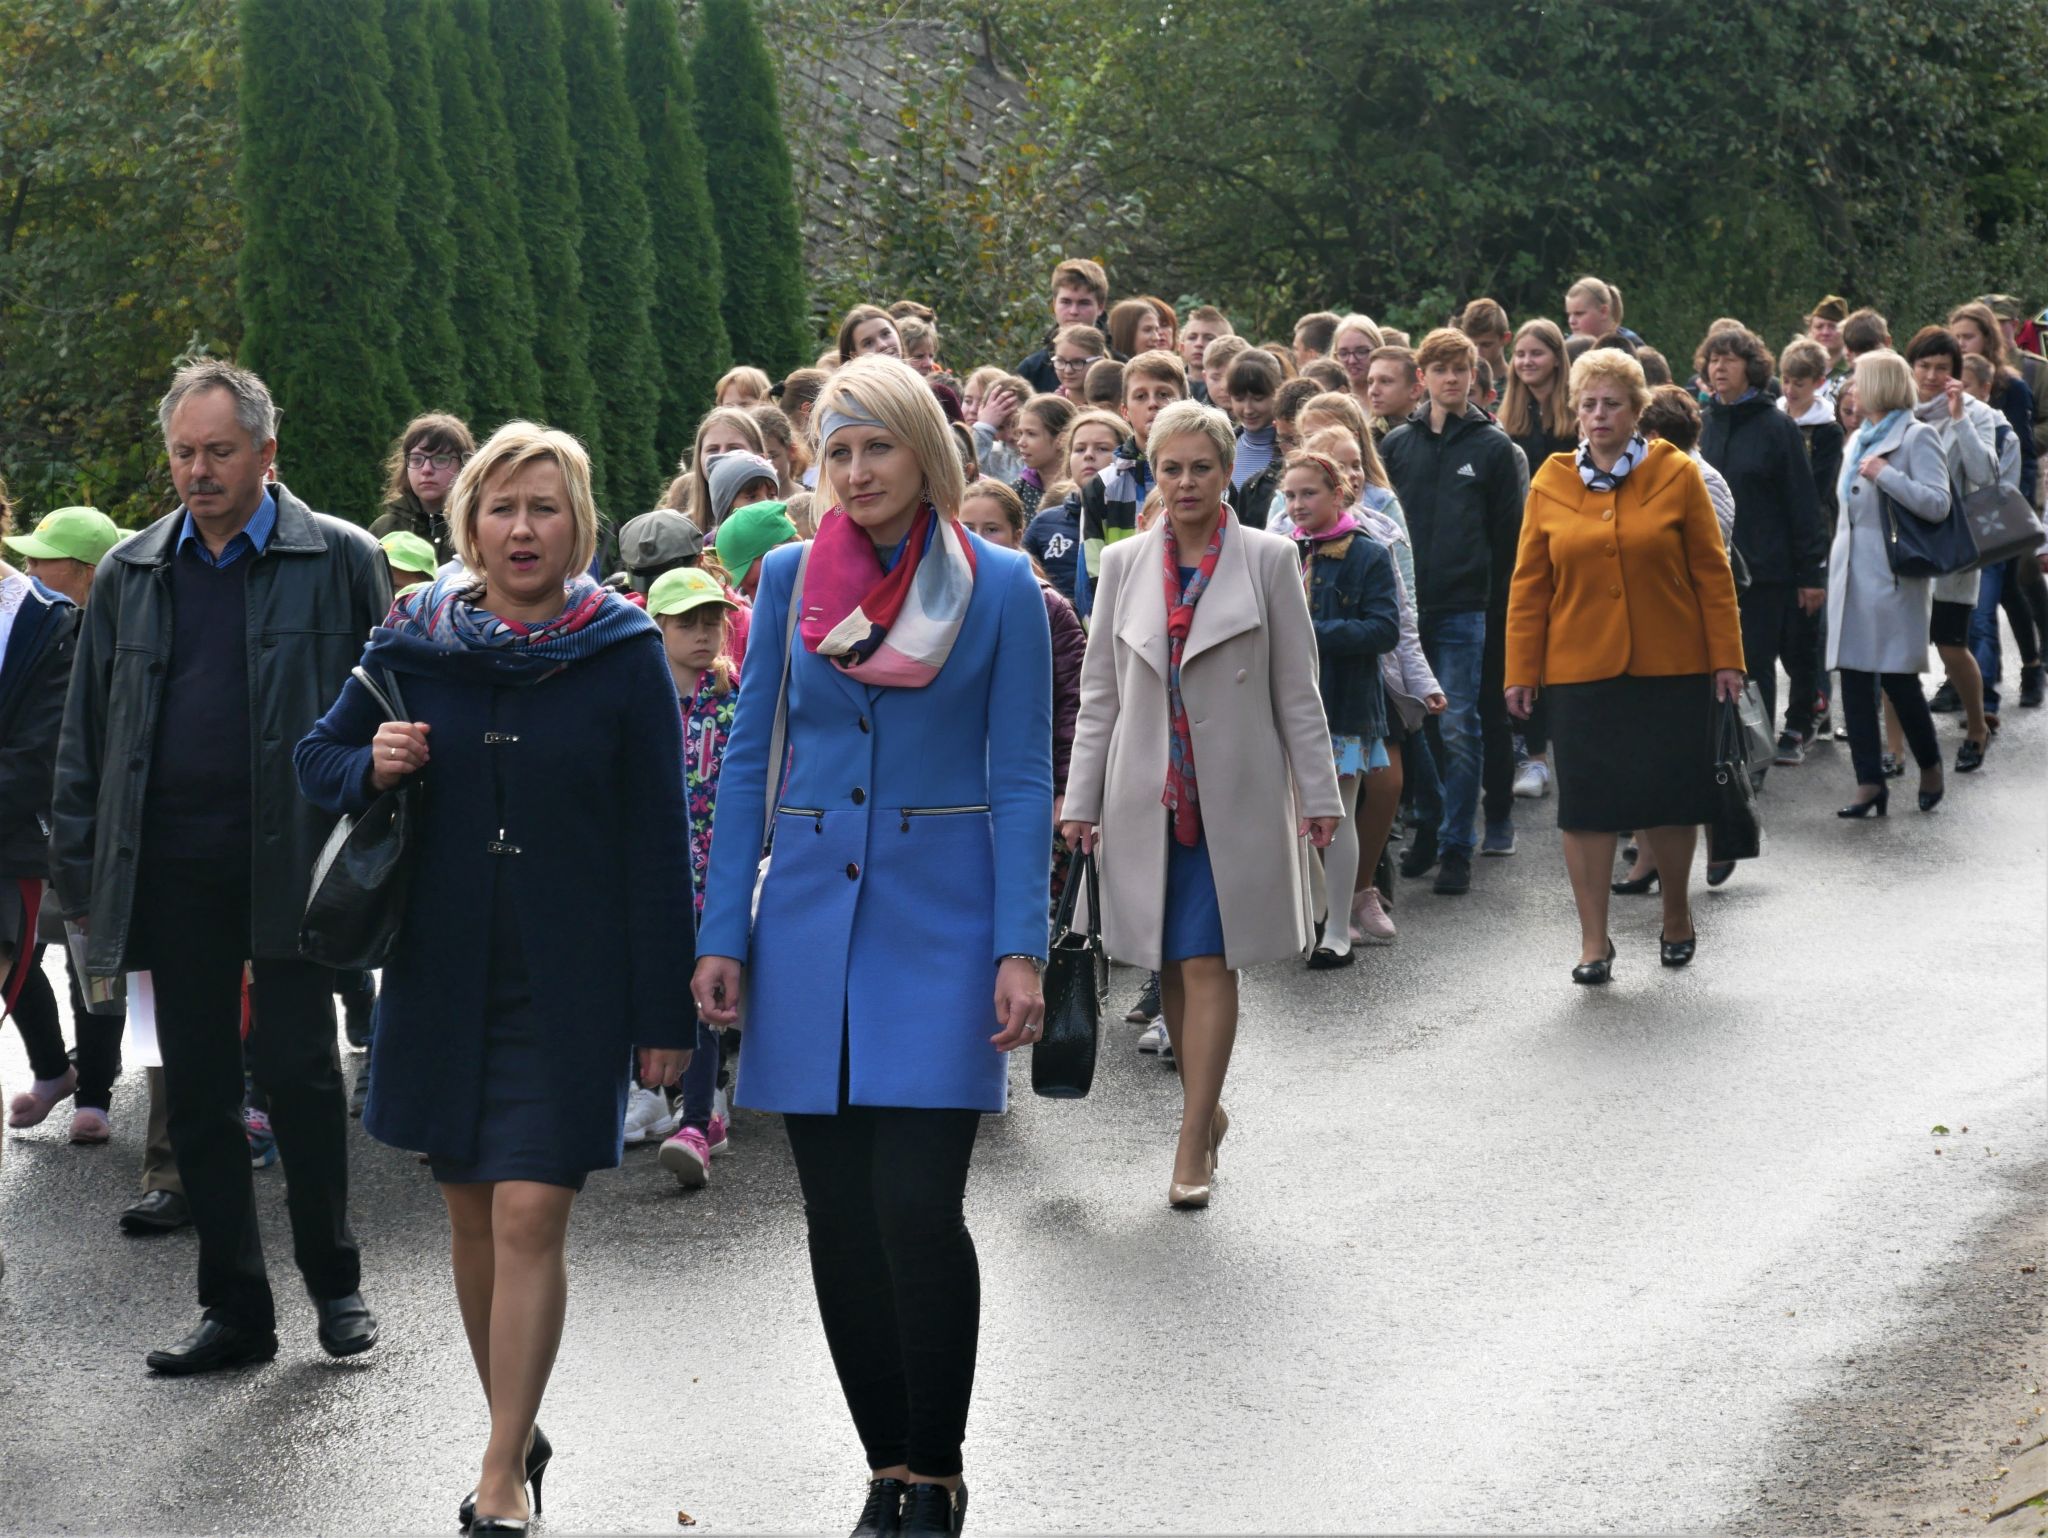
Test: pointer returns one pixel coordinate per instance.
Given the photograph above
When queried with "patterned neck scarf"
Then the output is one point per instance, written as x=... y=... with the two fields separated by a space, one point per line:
x=1597 y=479
x=1181 y=797
x=894 y=627
x=446 y=614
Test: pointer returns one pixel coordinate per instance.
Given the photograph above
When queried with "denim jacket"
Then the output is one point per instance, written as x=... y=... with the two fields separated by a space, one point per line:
x=1353 y=605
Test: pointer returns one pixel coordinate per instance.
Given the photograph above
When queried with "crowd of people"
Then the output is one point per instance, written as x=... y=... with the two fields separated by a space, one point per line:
x=762 y=797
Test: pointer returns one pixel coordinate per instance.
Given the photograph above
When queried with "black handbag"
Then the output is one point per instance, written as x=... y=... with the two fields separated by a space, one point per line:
x=364 y=870
x=1917 y=548
x=1076 y=989
x=1735 y=832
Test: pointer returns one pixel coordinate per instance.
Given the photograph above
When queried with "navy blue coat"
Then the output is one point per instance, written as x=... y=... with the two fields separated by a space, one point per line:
x=586 y=785
x=1354 y=606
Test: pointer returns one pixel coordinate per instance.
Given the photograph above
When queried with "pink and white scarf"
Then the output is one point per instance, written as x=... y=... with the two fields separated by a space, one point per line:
x=891 y=628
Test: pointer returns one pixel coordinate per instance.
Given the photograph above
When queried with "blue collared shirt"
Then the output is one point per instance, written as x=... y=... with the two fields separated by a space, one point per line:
x=251 y=540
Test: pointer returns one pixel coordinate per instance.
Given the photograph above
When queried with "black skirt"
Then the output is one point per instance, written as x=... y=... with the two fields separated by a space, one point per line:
x=1632 y=752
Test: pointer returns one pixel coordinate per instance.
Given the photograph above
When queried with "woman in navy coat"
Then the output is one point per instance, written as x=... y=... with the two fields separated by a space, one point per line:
x=895 y=956
x=548 y=928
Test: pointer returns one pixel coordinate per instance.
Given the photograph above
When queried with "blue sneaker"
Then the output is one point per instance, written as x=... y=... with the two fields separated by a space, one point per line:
x=1500 y=838
x=262 y=1144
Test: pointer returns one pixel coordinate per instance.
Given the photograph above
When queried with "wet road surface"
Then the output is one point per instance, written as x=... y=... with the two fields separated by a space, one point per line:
x=1488 y=1250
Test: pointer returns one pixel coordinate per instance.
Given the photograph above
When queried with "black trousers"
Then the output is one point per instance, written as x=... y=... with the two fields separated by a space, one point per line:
x=191 y=931
x=1859 y=709
x=1496 y=726
x=1774 y=627
x=1805 y=639
x=899 y=1288
x=2025 y=601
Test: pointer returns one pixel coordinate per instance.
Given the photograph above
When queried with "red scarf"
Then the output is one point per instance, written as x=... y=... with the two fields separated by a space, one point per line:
x=1181 y=797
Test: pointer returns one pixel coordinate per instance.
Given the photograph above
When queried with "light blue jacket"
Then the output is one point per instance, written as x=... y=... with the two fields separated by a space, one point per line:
x=913 y=844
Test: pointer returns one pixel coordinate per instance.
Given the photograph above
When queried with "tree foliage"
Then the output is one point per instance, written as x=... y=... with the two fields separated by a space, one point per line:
x=689 y=277
x=491 y=297
x=119 y=236
x=526 y=35
x=323 y=272
x=617 y=256
x=430 y=345
x=747 y=168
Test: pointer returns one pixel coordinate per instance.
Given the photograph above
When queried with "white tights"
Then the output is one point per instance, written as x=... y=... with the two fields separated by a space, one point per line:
x=1340 y=871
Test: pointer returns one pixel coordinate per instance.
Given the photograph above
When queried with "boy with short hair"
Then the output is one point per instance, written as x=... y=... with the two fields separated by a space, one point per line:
x=1287 y=403
x=1393 y=387
x=1461 y=482
x=1312 y=335
x=1216 y=360
x=1486 y=323
x=1205 y=323
x=1103 y=385
x=1255 y=474
x=1110 y=500
x=1080 y=297
x=1864 y=331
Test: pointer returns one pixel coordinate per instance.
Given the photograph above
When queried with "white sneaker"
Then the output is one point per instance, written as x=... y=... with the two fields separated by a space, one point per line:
x=670 y=1119
x=1153 y=1040
x=1532 y=780
x=645 y=1110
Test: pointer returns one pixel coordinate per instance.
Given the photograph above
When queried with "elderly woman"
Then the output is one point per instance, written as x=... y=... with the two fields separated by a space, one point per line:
x=1623 y=604
x=548 y=929
x=1894 y=467
x=1199 y=691
x=894 y=956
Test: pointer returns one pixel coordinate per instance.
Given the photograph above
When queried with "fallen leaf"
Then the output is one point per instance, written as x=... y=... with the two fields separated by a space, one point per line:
x=2024 y=1270
x=684 y=1519
x=1940 y=1130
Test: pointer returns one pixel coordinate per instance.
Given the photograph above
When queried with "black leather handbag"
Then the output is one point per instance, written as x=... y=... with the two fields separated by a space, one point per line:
x=1918 y=548
x=1735 y=832
x=364 y=870
x=1076 y=989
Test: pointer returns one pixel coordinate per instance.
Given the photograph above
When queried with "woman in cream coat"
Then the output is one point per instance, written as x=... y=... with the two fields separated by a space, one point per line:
x=1254 y=752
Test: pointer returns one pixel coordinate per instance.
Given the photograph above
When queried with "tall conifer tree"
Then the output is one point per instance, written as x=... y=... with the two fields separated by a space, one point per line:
x=429 y=345
x=747 y=167
x=617 y=256
x=323 y=273
x=689 y=327
x=492 y=297
x=526 y=35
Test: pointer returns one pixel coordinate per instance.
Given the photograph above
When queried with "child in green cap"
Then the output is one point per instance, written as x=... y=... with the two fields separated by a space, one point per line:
x=411 y=559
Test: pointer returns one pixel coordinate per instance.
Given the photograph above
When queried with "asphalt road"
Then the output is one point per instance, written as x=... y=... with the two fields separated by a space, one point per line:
x=1489 y=1251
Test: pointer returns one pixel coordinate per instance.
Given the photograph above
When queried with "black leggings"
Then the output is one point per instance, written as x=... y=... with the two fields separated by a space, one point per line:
x=2025 y=601
x=1859 y=708
x=899 y=1289
x=35 y=1013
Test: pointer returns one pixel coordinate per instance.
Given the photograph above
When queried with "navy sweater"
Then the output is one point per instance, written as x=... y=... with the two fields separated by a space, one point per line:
x=200 y=786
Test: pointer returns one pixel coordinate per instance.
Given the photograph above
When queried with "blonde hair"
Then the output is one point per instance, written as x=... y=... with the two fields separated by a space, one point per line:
x=1192 y=419
x=1364 y=325
x=1343 y=405
x=1093 y=416
x=1520 y=411
x=774 y=423
x=798 y=510
x=754 y=385
x=913 y=332
x=1884 y=383
x=507 y=451
x=895 y=394
x=696 y=492
x=1612 y=363
x=1601 y=293
x=1334 y=475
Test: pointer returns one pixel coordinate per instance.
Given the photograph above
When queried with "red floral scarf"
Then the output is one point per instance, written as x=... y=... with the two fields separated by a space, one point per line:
x=1181 y=797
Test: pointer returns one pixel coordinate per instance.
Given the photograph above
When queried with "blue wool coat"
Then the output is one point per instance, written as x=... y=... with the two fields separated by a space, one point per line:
x=588 y=772
x=910 y=854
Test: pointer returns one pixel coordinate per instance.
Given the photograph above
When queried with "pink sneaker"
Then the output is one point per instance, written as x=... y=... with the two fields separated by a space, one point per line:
x=90 y=1125
x=687 y=1156
x=716 y=1137
x=42 y=1097
x=1369 y=922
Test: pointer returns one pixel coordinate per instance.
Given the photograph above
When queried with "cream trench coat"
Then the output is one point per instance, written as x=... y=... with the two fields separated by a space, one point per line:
x=1262 y=747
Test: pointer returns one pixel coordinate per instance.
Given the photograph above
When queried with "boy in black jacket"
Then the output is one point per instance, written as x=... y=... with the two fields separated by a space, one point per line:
x=1462 y=483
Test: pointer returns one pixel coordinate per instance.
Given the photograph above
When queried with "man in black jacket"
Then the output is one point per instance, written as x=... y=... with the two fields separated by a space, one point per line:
x=1462 y=483
x=216 y=637
x=1080 y=297
x=1778 y=527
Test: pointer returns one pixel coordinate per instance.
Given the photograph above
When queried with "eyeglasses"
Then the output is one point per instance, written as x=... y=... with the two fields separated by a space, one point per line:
x=1353 y=354
x=417 y=461
x=1075 y=365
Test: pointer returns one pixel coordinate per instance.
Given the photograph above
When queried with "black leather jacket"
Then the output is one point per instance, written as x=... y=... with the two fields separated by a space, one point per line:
x=34 y=666
x=315 y=592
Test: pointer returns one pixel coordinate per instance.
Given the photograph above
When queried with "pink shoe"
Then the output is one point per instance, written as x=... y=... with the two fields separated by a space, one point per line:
x=1369 y=922
x=40 y=1099
x=90 y=1125
x=687 y=1156
x=716 y=1137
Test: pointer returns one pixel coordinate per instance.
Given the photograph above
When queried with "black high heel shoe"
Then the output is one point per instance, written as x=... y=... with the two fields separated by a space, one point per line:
x=1930 y=799
x=1676 y=953
x=538 y=1452
x=1876 y=806
x=1635 y=886
x=499 y=1525
x=1594 y=973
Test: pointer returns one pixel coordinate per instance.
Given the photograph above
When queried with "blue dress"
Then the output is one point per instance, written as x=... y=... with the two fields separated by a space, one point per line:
x=1194 y=919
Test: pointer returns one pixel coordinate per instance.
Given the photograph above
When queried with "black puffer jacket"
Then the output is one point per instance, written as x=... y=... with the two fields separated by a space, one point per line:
x=1462 y=491
x=34 y=669
x=1778 y=526
x=314 y=593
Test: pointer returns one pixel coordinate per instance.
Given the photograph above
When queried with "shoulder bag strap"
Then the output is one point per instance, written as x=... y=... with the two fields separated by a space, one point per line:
x=778 y=738
x=387 y=696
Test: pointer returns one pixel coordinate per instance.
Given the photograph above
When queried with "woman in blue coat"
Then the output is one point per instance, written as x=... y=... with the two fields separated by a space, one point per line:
x=895 y=954
x=547 y=933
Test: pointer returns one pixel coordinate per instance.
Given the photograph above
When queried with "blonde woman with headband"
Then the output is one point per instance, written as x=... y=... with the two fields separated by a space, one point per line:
x=894 y=958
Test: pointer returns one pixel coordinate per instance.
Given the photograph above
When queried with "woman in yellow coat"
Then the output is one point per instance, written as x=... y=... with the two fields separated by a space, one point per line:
x=1623 y=613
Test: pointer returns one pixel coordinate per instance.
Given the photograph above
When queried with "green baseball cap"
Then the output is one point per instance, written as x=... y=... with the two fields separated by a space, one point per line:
x=683 y=589
x=749 y=533
x=69 y=534
x=409 y=552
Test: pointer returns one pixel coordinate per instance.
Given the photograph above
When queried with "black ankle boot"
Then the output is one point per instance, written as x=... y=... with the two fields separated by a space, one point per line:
x=882 y=1516
x=933 y=1511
